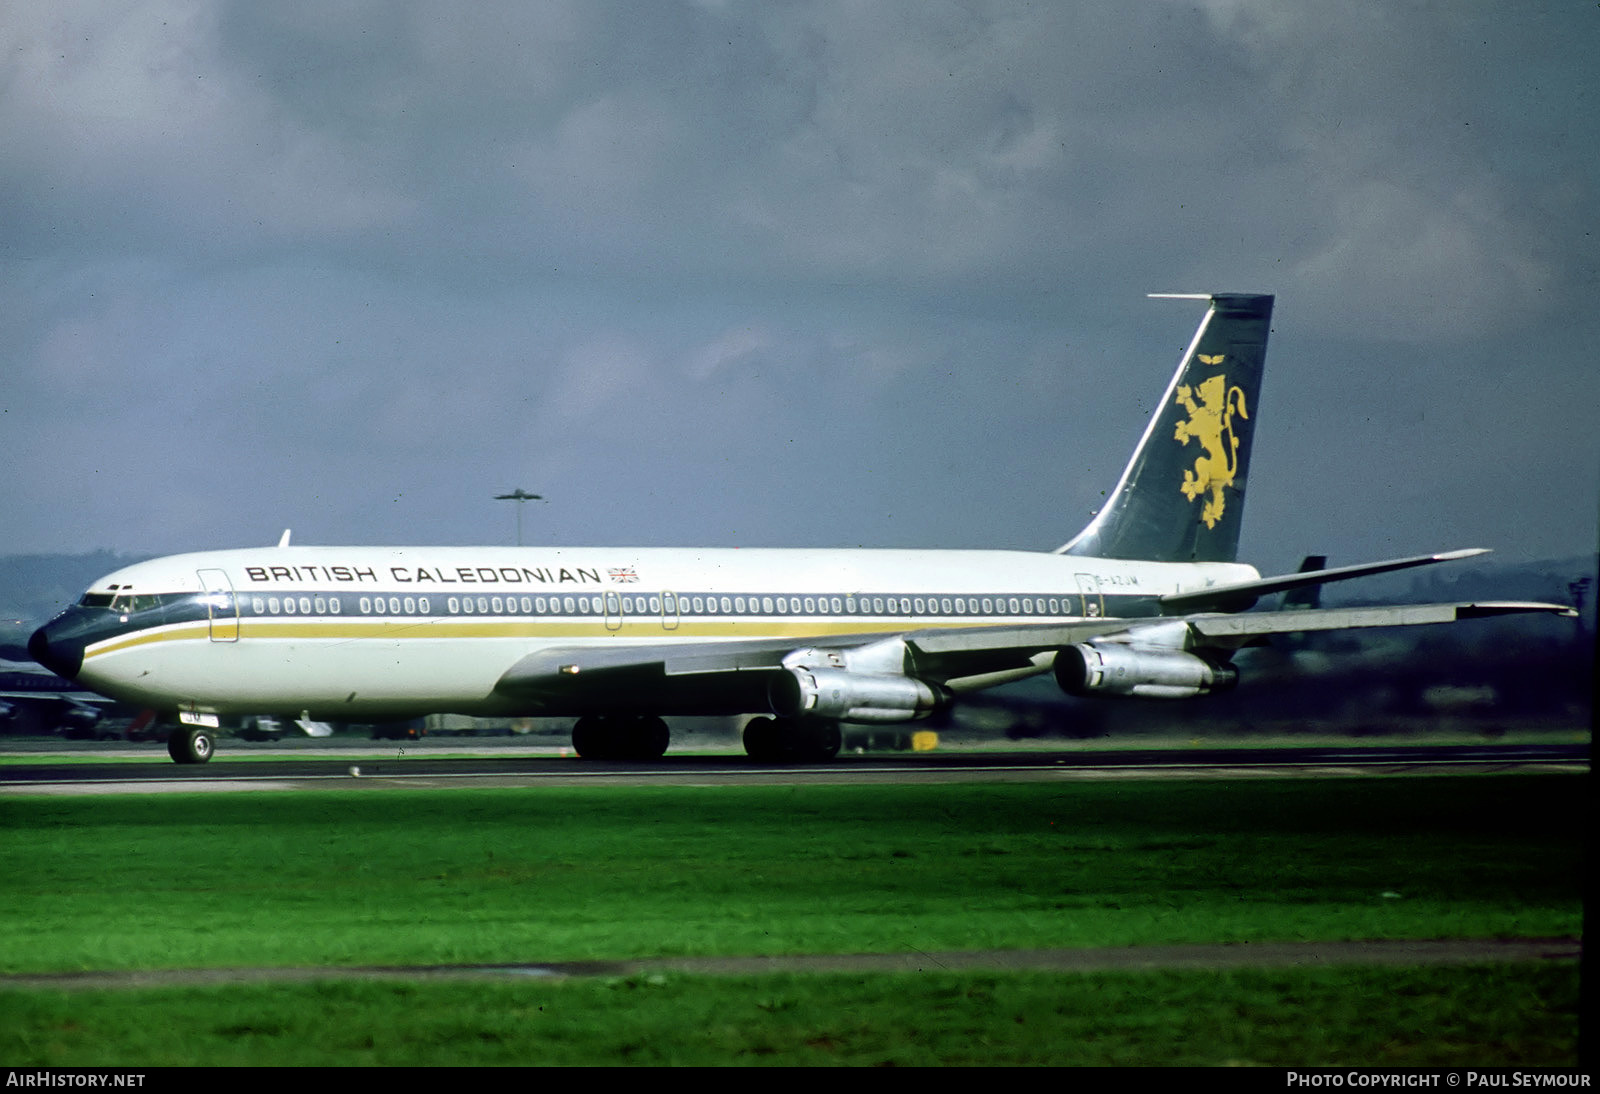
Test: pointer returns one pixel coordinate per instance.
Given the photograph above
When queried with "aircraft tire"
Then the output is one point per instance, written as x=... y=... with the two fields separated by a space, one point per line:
x=649 y=738
x=590 y=740
x=824 y=740
x=190 y=746
x=809 y=740
x=761 y=740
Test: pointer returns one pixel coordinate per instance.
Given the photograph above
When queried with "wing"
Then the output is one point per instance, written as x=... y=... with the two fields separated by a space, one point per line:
x=897 y=676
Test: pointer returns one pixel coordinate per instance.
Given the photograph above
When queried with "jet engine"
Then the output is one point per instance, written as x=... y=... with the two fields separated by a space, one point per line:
x=801 y=691
x=1143 y=673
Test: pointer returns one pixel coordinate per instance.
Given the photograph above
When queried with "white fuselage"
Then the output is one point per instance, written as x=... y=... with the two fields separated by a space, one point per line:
x=364 y=632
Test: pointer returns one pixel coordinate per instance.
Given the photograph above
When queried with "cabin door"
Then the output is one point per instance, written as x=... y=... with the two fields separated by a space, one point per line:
x=221 y=604
x=1094 y=605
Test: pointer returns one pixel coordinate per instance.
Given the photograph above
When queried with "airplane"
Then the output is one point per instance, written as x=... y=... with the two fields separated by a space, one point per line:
x=1146 y=602
x=35 y=701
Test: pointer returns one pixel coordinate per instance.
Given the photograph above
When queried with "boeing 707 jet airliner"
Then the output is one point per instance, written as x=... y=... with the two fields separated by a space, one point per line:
x=1148 y=601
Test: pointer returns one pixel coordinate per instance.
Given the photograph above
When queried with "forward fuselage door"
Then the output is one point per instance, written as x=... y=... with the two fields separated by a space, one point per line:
x=221 y=604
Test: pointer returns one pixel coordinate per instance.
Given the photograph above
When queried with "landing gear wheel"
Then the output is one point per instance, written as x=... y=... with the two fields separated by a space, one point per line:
x=824 y=740
x=590 y=740
x=761 y=740
x=623 y=738
x=792 y=740
x=189 y=746
x=648 y=739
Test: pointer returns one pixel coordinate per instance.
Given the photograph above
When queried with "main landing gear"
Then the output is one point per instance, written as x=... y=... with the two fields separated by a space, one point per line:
x=190 y=746
x=598 y=737
x=790 y=740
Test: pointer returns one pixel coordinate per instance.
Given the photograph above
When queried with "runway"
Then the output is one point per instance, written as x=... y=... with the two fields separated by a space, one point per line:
x=1245 y=955
x=445 y=766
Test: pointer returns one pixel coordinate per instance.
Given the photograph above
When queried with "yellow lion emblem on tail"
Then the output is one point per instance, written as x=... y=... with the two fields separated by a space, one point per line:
x=1211 y=423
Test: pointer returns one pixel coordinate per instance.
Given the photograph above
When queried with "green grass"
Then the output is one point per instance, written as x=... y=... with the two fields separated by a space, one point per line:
x=403 y=877
x=546 y=874
x=1484 y=1016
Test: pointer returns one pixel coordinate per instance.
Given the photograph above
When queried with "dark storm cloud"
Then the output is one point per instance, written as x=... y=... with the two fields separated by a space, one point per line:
x=815 y=273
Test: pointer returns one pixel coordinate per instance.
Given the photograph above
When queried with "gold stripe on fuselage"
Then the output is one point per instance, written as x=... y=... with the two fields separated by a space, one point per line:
x=346 y=630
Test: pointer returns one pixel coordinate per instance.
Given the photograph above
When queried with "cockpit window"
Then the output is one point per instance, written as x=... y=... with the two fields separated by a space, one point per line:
x=126 y=601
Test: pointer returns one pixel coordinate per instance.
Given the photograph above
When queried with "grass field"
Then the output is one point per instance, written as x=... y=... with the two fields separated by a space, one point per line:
x=552 y=874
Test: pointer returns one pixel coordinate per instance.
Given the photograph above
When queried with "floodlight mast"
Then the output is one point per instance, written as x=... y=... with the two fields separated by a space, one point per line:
x=519 y=496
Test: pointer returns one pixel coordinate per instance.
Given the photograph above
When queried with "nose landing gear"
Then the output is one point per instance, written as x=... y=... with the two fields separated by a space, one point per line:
x=190 y=746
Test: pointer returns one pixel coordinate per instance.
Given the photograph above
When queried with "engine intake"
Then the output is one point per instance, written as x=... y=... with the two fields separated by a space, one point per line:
x=1140 y=673
x=804 y=692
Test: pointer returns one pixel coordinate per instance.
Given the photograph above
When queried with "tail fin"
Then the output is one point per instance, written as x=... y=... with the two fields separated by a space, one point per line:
x=1182 y=495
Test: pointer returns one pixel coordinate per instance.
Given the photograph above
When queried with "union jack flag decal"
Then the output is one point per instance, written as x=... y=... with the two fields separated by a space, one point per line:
x=623 y=576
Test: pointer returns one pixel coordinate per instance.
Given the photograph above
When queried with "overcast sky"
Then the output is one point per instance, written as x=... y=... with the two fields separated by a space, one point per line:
x=810 y=273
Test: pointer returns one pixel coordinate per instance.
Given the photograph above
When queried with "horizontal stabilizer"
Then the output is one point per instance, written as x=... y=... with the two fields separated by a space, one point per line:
x=1239 y=596
x=1259 y=624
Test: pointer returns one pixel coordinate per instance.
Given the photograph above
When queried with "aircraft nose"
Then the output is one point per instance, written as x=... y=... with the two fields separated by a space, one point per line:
x=61 y=654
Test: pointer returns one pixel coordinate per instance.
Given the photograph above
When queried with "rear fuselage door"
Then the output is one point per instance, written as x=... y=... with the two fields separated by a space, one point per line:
x=1094 y=605
x=222 y=605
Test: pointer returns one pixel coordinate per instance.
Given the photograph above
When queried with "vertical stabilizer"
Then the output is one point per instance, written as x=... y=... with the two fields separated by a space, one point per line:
x=1182 y=495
